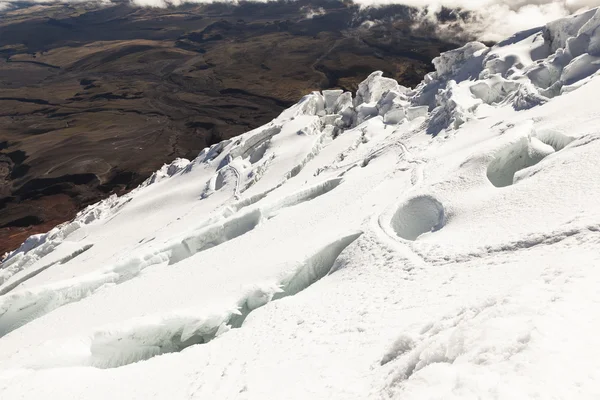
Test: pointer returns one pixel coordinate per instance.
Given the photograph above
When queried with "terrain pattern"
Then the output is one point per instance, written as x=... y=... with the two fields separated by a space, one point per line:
x=93 y=99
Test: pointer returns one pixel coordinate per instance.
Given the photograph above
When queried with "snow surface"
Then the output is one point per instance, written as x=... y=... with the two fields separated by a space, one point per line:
x=431 y=243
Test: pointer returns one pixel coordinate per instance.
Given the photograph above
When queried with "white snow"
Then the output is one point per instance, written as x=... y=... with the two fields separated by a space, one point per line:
x=438 y=242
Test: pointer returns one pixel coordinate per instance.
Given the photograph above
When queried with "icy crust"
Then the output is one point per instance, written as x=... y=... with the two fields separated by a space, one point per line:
x=435 y=242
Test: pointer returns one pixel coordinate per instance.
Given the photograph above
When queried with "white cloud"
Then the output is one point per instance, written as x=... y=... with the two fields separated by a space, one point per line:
x=490 y=20
x=312 y=12
x=496 y=19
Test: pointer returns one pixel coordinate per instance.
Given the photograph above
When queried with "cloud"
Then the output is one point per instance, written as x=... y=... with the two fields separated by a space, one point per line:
x=7 y=5
x=491 y=19
x=4 y=5
x=485 y=20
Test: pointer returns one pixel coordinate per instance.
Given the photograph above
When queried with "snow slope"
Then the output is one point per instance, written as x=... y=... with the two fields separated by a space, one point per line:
x=426 y=243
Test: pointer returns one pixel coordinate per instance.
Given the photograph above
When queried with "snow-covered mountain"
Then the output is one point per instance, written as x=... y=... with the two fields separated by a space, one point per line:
x=436 y=242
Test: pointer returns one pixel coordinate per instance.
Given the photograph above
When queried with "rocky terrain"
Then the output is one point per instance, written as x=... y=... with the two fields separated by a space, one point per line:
x=93 y=99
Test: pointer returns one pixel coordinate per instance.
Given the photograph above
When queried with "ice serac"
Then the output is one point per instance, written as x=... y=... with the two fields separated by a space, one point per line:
x=441 y=241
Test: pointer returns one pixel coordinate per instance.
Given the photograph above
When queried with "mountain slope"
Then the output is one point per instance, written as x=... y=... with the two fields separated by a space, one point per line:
x=435 y=242
x=96 y=97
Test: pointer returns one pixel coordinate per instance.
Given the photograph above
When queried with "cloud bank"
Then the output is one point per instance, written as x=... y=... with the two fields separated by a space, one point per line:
x=485 y=20
x=496 y=19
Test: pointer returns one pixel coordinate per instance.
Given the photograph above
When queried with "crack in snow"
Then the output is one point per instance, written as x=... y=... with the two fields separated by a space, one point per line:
x=141 y=341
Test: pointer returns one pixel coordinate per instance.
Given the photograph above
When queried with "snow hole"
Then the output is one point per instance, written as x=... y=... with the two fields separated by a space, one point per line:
x=419 y=215
x=525 y=153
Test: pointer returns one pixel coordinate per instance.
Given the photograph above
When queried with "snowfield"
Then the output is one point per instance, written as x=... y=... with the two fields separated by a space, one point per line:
x=441 y=242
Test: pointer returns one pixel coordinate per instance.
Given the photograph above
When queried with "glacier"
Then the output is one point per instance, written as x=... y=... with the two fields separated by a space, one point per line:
x=418 y=243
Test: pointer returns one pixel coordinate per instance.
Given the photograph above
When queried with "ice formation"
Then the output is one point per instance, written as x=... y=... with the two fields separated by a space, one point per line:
x=440 y=241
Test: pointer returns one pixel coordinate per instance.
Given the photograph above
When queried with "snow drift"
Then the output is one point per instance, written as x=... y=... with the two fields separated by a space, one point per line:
x=440 y=241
